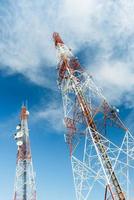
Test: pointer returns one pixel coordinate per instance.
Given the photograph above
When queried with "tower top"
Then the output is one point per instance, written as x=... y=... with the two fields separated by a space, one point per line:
x=24 y=113
x=57 y=39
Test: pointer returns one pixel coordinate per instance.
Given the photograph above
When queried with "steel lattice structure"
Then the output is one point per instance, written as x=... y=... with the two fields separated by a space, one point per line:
x=25 y=188
x=89 y=118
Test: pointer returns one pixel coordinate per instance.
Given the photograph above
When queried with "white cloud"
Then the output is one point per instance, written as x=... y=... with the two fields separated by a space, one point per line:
x=51 y=115
x=117 y=81
x=26 y=44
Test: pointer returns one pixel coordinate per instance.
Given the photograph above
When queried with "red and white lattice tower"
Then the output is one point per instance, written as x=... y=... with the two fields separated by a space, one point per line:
x=98 y=162
x=25 y=188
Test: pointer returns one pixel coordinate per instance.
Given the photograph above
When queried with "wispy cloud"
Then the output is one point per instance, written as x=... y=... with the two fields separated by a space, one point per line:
x=50 y=115
x=26 y=45
x=117 y=80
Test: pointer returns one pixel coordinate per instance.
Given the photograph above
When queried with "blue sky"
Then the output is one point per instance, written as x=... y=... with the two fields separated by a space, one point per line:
x=101 y=34
x=50 y=153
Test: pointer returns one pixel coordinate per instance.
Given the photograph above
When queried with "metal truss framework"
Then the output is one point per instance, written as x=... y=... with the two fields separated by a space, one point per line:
x=90 y=120
x=25 y=188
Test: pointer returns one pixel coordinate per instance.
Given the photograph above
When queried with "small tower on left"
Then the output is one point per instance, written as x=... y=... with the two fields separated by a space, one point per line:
x=25 y=187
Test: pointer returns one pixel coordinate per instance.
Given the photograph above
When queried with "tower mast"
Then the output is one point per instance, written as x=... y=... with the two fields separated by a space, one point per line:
x=74 y=83
x=25 y=188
